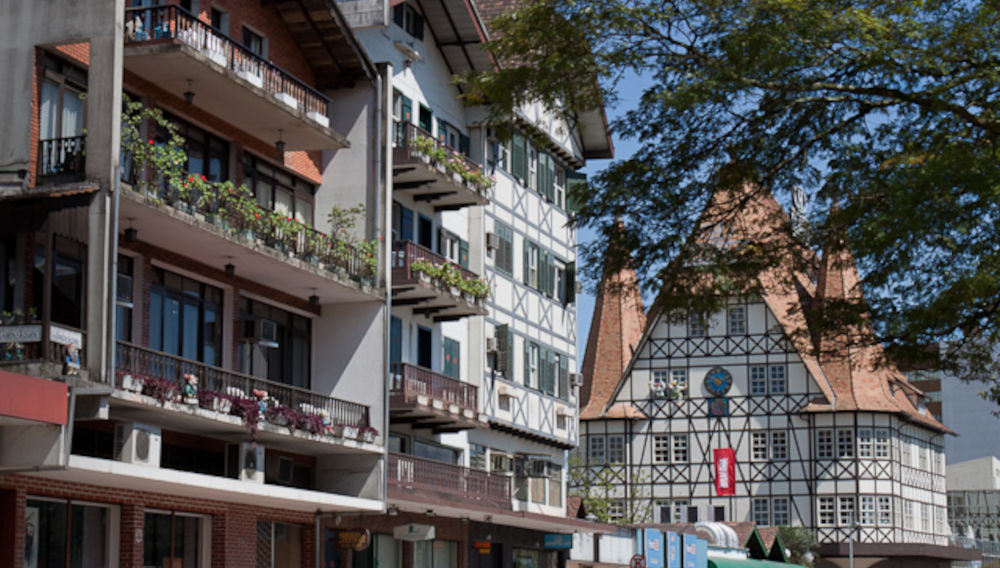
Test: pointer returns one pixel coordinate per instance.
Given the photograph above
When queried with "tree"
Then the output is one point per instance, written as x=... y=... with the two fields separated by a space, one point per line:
x=884 y=112
x=800 y=542
x=604 y=486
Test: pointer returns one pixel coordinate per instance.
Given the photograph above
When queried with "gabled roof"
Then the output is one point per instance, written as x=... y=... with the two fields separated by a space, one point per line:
x=851 y=375
x=458 y=32
x=327 y=42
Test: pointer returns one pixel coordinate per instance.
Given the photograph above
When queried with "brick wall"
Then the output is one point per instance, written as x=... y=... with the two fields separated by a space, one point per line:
x=234 y=526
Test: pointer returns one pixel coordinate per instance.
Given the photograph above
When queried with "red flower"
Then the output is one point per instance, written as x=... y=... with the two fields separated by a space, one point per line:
x=151 y=142
x=256 y=215
x=190 y=178
x=230 y=190
x=202 y=178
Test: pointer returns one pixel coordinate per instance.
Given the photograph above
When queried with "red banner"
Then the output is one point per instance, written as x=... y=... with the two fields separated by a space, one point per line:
x=725 y=471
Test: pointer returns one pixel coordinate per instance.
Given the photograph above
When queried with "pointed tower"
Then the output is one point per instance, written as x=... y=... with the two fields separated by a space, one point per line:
x=615 y=330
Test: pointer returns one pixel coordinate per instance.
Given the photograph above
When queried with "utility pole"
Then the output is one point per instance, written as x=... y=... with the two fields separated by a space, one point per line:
x=850 y=542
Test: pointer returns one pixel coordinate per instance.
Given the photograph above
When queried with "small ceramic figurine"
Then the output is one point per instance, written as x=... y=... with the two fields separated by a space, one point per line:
x=327 y=425
x=262 y=400
x=190 y=388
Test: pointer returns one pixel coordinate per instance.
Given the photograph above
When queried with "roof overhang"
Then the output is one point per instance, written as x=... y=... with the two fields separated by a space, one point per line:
x=458 y=33
x=595 y=135
x=327 y=42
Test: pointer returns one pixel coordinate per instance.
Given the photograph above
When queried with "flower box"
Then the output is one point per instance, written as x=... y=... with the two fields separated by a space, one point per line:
x=319 y=117
x=251 y=77
x=222 y=405
x=288 y=100
x=349 y=431
x=131 y=384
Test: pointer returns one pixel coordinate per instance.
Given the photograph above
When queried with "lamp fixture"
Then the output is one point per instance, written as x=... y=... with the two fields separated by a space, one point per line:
x=230 y=269
x=464 y=519
x=280 y=144
x=337 y=520
x=429 y=512
x=189 y=94
x=131 y=235
x=314 y=299
x=392 y=511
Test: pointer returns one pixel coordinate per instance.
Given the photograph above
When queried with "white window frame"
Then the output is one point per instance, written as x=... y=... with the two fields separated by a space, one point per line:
x=736 y=320
x=846 y=510
x=596 y=450
x=780 y=511
x=661 y=448
x=826 y=512
x=758 y=379
x=866 y=513
x=884 y=504
x=779 y=445
x=866 y=443
x=679 y=376
x=616 y=511
x=824 y=444
x=697 y=325
x=777 y=379
x=616 y=448
x=679 y=448
x=758 y=446
x=760 y=512
x=845 y=443
x=881 y=443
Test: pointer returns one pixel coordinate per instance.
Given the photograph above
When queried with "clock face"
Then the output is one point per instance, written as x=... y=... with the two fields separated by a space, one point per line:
x=718 y=381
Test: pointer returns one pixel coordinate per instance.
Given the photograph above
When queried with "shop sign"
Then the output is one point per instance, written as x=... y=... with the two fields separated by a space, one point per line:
x=413 y=532
x=482 y=546
x=690 y=551
x=556 y=541
x=65 y=336
x=357 y=539
x=673 y=550
x=20 y=333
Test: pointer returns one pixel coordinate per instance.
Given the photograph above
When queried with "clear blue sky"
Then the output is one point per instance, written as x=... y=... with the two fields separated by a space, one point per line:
x=629 y=91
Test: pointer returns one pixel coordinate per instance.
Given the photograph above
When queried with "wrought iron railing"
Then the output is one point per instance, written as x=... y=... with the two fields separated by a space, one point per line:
x=405 y=252
x=171 y=22
x=62 y=156
x=405 y=150
x=467 y=485
x=135 y=363
x=410 y=381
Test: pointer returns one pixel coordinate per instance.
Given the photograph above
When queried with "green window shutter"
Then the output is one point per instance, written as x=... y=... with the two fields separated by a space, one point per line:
x=517 y=156
x=550 y=371
x=575 y=183
x=570 y=283
x=543 y=271
x=547 y=176
x=442 y=134
x=500 y=333
x=451 y=351
x=426 y=119
x=463 y=253
x=527 y=258
x=527 y=363
x=407 y=109
x=563 y=377
x=509 y=364
x=540 y=173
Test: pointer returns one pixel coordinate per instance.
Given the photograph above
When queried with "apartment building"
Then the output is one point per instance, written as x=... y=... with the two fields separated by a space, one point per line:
x=482 y=407
x=749 y=415
x=192 y=369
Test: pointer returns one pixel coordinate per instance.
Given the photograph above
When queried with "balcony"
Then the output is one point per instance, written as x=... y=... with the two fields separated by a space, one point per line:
x=171 y=48
x=418 y=280
x=427 y=399
x=62 y=159
x=51 y=351
x=226 y=403
x=268 y=250
x=435 y=173
x=438 y=483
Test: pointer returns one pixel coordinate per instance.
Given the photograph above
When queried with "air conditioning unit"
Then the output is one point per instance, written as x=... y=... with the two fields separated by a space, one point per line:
x=245 y=461
x=492 y=241
x=538 y=468
x=263 y=332
x=575 y=380
x=491 y=344
x=137 y=444
x=501 y=463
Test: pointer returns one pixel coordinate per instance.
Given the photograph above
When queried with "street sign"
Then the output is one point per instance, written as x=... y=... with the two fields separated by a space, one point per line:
x=557 y=541
x=638 y=561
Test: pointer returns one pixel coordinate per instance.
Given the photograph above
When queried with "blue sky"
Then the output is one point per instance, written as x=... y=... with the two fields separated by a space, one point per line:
x=628 y=91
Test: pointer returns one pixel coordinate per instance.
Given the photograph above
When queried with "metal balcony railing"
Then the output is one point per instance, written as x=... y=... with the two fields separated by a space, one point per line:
x=405 y=151
x=405 y=252
x=467 y=485
x=171 y=22
x=62 y=156
x=141 y=363
x=410 y=381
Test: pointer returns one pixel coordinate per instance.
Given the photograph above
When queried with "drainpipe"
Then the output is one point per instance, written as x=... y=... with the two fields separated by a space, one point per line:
x=112 y=348
x=383 y=168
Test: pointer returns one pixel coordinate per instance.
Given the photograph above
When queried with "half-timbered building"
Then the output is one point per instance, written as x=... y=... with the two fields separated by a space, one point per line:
x=744 y=415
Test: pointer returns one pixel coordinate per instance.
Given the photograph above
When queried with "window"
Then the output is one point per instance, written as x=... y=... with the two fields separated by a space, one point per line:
x=123 y=298
x=555 y=484
x=278 y=544
x=616 y=514
x=254 y=42
x=453 y=247
x=503 y=360
x=906 y=452
x=661 y=448
x=908 y=515
x=172 y=539
x=407 y=17
x=846 y=511
x=504 y=255
x=451 y=355
x=758 y=379
x=425 y=119
x=185 y=317
x=532 y=176
x=285 y=360
x=277 y=190
x=779 y=511
x=696 y=325
x=884 y=511
x=220 y=20
x=866 y=515
x=865 y=448
x=658 y=385
x=207 y=154
x=824 y=444
x=616 y=449
x=737 y=320
x=845 y=443
x=499 y=152
x=926 y=519
x=826 y=511
x=779 y=445
x=778 y=384
x=760 y=512
x=62 y=116
x=923 y=451
x=63 y=533
x=680 y=448
x=559 y=187
x=595 y=453
x=678 y=380
x=430 y=554
x=477 y=457
x=759 y=446
x=530 y=264
x=518 y=149
x=531 y=364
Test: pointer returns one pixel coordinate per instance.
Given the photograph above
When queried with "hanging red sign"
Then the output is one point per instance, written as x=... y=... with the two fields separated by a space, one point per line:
x=725 y=471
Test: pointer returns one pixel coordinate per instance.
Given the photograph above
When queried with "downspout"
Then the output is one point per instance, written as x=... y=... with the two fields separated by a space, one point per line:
x=383 y=183
x=112 y=347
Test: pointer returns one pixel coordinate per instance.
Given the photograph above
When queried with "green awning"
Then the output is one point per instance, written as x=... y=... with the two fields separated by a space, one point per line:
x=716 y=562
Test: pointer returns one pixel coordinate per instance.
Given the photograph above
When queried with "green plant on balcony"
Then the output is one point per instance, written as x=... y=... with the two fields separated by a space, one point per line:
x=452 y=161
x=449 y=275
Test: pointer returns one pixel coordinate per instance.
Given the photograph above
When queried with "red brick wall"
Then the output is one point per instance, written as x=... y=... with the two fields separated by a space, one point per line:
x=234 y=526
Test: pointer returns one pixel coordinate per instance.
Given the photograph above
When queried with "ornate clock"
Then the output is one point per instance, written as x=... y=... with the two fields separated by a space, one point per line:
x=718 y=381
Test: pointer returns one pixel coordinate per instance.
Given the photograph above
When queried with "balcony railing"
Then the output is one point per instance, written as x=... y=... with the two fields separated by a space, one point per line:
x=405 y=252
x=171 y=22
x=464 y=484
x=410 y=381
x=413 y=144
x=26 y=343
x=62 y=156
x=135 y=363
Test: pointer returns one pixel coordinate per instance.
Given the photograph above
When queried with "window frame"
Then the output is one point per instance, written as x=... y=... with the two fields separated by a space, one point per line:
x=825 y=448
x=777 y=375
x=779 y=449
x=736 y=320
x=758 y=380
x=596 y=453
x=759 y=446
x=662 y=445
x=679 y=448
x=760 y=511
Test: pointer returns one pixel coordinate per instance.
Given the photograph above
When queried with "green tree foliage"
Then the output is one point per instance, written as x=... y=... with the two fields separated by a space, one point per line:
x=883 y=111
x=602 y=487
x=800 y=541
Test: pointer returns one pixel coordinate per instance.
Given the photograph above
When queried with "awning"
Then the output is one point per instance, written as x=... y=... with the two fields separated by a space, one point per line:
x=722 y=562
